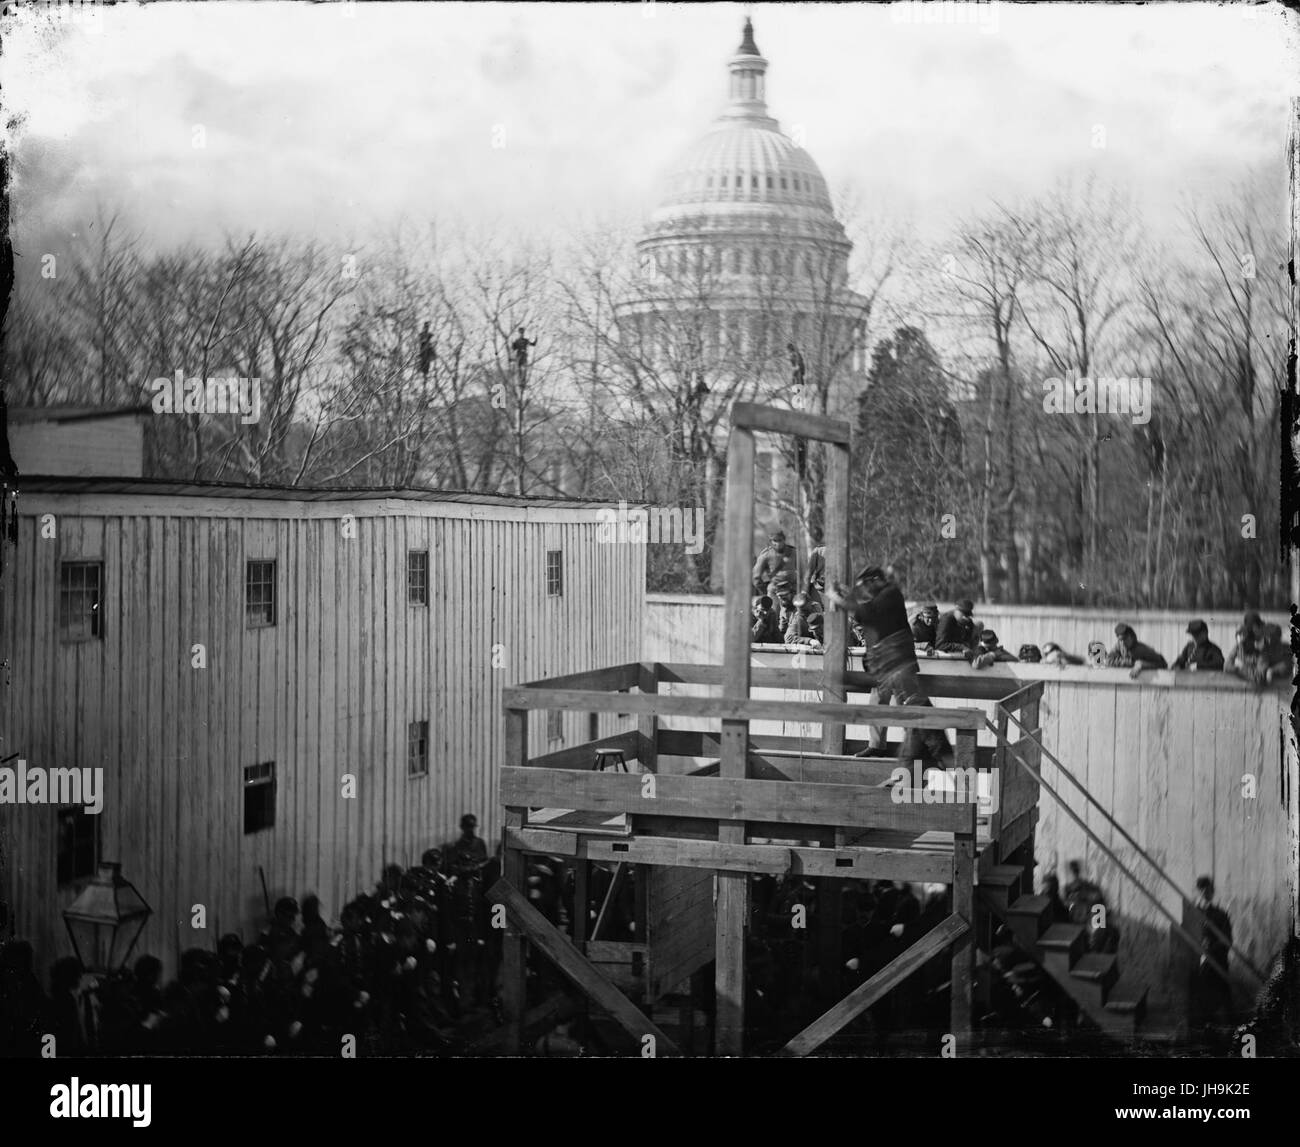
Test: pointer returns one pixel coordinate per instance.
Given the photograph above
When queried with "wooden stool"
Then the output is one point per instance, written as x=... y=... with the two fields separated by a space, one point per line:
x=611 y=759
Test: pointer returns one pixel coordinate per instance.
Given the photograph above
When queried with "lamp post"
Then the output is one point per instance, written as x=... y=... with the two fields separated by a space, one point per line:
x=106 y=920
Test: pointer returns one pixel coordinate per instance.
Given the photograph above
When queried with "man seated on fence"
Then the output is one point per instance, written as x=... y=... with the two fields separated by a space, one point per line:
x=990 y=652
x=1260 y=656
x=782 y=595
x=1277 y=655
x=805 y=627
x=1200 y=652
x=764 y=630
x=1053 y=654
x=816 y=586
x=1129 y=653
x=956 y=632
x=775 y=557
x=1030 y=654
x=877 y=606
x=923 y=626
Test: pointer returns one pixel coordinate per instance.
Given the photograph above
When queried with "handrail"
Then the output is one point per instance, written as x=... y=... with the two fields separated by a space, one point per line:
x=1179 y=930
x=1260 y=976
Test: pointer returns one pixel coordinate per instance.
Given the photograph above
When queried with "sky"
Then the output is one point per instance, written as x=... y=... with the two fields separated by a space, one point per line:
x=338 y=119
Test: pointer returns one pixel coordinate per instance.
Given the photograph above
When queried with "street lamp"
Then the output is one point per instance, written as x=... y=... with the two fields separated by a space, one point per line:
x=105 y=921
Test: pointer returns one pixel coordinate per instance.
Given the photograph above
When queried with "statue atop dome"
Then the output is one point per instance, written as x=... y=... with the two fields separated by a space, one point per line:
x=747 y=45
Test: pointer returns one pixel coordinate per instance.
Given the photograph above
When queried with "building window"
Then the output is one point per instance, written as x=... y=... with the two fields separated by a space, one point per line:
x=783 y=185
x=259 y=597
x=259 y=797
x=78 y=844
x=554 y=573
x=81 y=616
x=769 y=183
x=554 y=725
x=417 y=749
x=753 y=183
x=417 y=577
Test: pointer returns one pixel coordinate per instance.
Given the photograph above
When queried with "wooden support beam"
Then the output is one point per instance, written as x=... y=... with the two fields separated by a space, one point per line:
x=732 y=910
x=514 y=998
x=647 y=725
x=611 y=893
x=552 y=943
x=707 y=743
x=889 y=977
x=732 y=708
x=610 y=680
x=835 y=659
x=854 y=862
x=542 y=841
x=817 y=769
x=941 y=678
x=749 y=416
x=963 y=906
x=724 y=798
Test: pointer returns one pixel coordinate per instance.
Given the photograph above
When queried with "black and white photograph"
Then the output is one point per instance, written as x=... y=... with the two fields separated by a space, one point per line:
x=647 y=531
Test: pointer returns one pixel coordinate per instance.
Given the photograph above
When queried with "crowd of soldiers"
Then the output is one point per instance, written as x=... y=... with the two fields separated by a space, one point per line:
x=408 y=962
x=787 y=611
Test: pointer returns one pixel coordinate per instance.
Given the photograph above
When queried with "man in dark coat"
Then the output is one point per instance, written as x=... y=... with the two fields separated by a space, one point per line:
x=775 y=558
x=923 y=625
x=956 y=632
x=764 y=630
x=1211 y=995
x=1129 y=653
x=877 y=605
x=1200 y=652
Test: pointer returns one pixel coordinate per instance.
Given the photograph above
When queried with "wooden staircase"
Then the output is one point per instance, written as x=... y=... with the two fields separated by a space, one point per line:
x=1115 y=1004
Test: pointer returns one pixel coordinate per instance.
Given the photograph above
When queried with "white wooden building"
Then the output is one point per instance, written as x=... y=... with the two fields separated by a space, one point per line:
x=230 y=656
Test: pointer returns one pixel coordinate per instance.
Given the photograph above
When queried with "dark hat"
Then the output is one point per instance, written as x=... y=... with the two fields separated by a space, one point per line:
x=871 y=573
x=966 y=605
x=1197 y=626
x=931 y=608
x=468 y=819
x=988 y=637
x=1252 y=618
x=762 y=599
x=1030 y=653
x=1122 y=629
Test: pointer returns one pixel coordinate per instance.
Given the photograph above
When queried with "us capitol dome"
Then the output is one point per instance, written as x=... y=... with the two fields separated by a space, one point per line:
x=745 y=253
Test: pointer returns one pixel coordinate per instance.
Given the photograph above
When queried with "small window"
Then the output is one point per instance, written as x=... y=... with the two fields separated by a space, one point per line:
x=417 y=577
x=259 y=601
x=81 y=616
x=709 y=183
x=554 y=725
x=753 y=183
x=417 y=749
x=783 y=185
x=554 y=573
x=259 y=797
x=769 y=183
x=78 y=844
